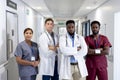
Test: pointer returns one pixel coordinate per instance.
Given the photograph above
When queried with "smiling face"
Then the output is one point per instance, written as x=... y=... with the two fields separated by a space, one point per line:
x=28 y=35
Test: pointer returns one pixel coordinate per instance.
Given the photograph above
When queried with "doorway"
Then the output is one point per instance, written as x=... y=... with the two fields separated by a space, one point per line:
x=12 y=41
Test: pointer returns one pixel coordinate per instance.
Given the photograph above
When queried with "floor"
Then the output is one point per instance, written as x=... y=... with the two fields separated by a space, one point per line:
x=39 y=77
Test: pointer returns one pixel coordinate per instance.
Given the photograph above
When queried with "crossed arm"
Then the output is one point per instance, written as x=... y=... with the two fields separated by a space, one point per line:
x=103 y=51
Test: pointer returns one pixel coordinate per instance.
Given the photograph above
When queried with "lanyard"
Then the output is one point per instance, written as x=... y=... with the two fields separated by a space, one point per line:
x=97 y=42
x=32 y=50
x=48 y=36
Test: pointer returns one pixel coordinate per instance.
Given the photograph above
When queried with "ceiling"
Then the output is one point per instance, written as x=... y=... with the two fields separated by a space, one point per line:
x=64 y=8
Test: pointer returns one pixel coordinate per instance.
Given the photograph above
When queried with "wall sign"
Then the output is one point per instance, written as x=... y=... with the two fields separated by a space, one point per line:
x=11 y=4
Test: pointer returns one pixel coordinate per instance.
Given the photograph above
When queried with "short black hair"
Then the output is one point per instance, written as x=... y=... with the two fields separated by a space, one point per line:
x=70 y=21
x=49 y=19
x=95 y=22
x=26 y=29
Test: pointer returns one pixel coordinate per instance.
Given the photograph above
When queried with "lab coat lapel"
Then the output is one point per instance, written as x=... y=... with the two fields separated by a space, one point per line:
x=68 y=41
x=50 y=38
x=56 y=39
x=76 y=40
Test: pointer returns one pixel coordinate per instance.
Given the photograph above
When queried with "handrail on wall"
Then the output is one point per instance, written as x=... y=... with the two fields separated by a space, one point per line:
x=4 y=64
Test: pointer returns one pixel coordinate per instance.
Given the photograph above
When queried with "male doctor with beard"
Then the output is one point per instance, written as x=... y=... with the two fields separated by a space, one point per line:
x=73 y=49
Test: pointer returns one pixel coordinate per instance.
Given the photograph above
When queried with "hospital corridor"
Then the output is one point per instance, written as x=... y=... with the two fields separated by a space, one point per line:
x=62 y=28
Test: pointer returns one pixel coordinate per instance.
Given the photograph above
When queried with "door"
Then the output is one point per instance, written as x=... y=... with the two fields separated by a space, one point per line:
x=86 y=28
x=12 y=40
x=12 y=37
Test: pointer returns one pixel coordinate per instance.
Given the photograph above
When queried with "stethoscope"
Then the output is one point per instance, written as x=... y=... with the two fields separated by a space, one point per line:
x=67 y=38
x=49 y=38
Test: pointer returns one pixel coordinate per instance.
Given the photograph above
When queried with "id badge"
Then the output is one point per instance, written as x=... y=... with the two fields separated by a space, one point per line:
x=32 y=58
x=97 y=51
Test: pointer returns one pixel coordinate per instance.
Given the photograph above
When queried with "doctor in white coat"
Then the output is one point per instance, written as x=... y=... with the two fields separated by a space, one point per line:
x=48 y=42
x=73 y=50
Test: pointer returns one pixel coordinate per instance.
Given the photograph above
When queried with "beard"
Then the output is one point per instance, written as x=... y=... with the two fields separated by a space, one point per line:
x=95 y=32
x=71 y=34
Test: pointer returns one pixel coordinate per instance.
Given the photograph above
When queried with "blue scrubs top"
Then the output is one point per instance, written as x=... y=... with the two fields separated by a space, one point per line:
x=25 y=51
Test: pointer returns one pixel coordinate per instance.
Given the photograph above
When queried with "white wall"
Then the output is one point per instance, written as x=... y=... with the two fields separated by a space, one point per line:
x=40 y=26
x=117 y=47
x=2 y=32
x=105 y=14
x=29 y=18
x=31 y=21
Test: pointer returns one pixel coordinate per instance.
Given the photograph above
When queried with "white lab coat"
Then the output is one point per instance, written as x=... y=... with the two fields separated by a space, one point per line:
x=47 y=57
x=66 y=49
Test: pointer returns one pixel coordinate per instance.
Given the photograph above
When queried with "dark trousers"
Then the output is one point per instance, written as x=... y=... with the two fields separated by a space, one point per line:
x=55 y=77
x=33 y=77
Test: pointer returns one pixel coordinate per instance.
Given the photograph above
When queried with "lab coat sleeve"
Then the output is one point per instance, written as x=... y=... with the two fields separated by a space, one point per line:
x=65 y=50
x=43 y=47
x=83 y=51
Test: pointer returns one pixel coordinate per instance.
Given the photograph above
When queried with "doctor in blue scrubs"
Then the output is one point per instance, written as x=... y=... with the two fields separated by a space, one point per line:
x=27 y=57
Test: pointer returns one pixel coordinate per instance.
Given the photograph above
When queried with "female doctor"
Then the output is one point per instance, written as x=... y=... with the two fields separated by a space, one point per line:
x=73 y=49
x=48 y=42
x=27 y=57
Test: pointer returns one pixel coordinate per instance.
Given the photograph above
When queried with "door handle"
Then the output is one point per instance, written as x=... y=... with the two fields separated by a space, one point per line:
x=10 y=45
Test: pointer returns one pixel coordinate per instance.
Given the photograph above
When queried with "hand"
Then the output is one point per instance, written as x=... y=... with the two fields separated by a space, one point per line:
x=34 y=63
x=57 y=46
x=54 y=48
x=101 y=49
x=78 y=48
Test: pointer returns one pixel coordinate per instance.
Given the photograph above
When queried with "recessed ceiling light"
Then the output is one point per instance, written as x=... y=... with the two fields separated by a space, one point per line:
x=48 y=15
x=39 y=8
x=88 y=8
